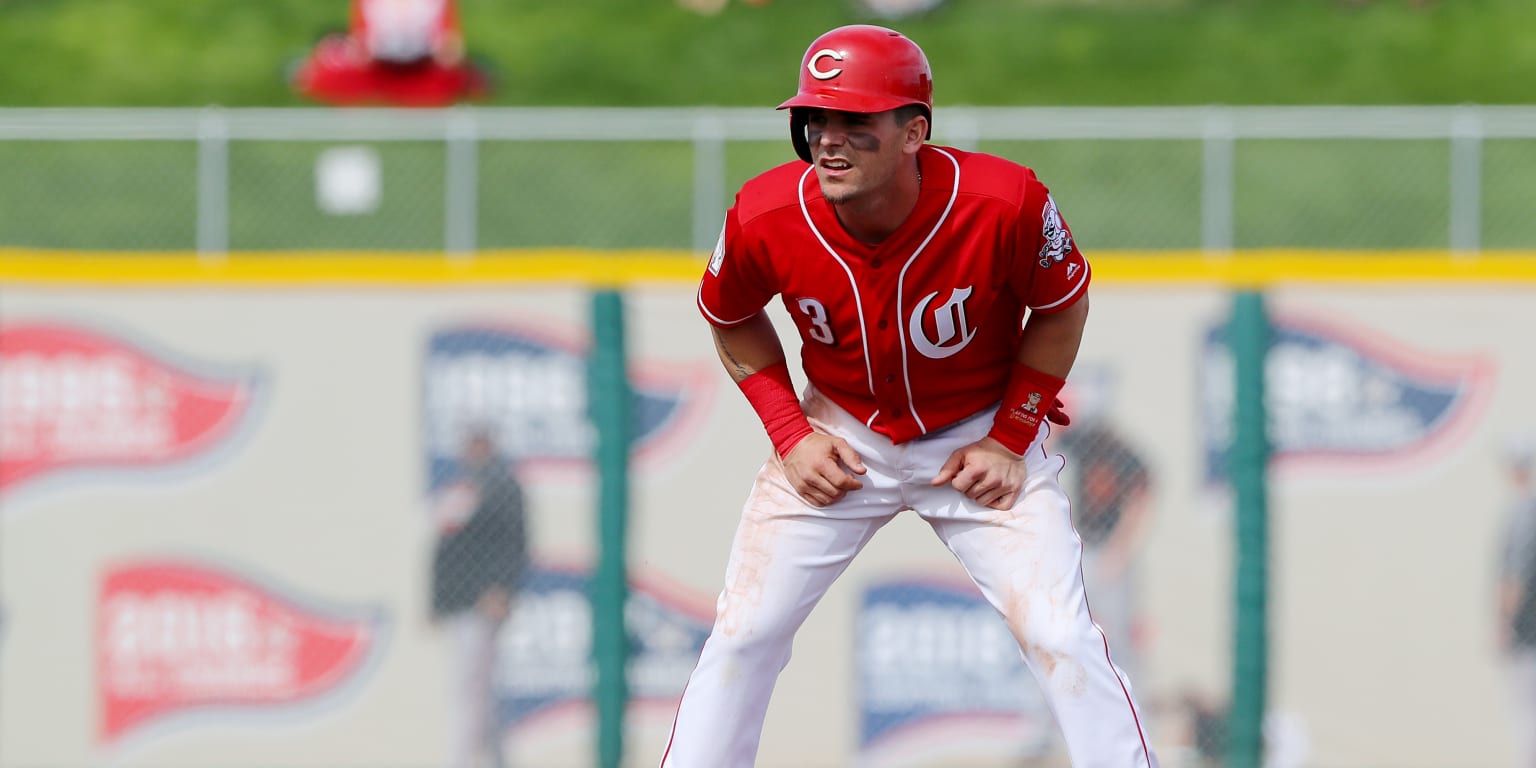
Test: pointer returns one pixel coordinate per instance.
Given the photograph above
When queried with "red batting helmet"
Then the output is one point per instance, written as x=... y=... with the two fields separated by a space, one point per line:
x=859 y=68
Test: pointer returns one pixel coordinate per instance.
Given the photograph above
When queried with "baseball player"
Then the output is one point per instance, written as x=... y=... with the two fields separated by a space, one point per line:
x=909 y=270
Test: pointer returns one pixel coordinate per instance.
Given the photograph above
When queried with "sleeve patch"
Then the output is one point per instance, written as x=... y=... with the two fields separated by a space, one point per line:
x=1056 y=240
x=718 y=257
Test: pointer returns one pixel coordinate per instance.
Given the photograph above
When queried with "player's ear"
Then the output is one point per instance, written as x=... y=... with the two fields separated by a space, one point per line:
x=914 y=133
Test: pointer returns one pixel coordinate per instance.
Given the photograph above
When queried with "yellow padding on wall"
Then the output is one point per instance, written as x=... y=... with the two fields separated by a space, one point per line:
x=1250 y=268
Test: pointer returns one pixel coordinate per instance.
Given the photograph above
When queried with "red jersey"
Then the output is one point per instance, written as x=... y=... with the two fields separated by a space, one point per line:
x=921 y=330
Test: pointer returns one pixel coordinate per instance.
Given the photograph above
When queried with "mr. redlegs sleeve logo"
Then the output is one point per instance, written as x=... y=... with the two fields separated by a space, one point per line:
x=173 y=638
x=72 y=398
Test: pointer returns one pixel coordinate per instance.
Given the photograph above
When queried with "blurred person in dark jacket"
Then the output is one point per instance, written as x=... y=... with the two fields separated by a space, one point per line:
x=1110 y=491
x=477 y=567
x=1516 y=630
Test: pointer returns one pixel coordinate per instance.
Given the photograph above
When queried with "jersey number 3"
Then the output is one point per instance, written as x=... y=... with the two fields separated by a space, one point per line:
x=818 y=330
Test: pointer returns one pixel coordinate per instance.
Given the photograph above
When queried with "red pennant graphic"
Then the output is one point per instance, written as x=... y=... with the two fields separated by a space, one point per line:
x=70 y=398
x=173 y=637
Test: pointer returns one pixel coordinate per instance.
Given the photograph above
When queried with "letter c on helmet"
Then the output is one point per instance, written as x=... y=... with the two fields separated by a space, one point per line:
x=858 y=68
x=814 y=64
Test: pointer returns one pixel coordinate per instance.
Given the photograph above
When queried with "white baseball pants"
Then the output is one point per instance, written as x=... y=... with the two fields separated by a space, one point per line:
x=1522 y=677
x=1026 y=561
x=476 y=741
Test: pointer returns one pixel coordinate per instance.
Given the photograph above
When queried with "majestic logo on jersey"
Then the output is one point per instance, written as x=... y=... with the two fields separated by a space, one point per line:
x=949 y=325
x=718 y=257
x=814 y=65
x=1056 y=240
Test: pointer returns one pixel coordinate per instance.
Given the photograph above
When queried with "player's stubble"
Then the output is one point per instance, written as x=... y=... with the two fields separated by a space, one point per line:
x=849 y=189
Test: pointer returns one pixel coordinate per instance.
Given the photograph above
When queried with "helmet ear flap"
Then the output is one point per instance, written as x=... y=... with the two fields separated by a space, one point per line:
x=798 y=120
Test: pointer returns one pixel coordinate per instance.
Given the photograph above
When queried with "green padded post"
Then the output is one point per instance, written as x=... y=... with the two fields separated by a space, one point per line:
x=608 y=395
x=1249 y=335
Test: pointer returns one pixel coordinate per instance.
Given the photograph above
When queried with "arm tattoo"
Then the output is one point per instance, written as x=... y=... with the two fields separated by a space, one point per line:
x=738 y=370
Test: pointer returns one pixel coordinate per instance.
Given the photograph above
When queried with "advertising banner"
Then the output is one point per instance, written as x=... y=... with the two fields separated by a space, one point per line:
x=81 y=402
x=187 y=643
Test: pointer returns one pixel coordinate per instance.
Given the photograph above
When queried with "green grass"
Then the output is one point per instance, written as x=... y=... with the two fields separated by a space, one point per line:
x=1119 y=194
x=273 y=202
x=652 y=52
x=1344 y=194
x=1509 y=194
x=596 y=195
x=98 y=195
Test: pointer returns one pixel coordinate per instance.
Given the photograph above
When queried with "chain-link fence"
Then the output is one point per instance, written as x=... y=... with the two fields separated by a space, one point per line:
x=480 y=563
x=387 y=560
x=253 y=180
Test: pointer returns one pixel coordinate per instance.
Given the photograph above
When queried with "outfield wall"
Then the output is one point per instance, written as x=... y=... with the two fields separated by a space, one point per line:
x=214 y=534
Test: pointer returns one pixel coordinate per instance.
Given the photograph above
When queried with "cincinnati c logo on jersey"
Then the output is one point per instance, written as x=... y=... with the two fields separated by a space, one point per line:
x=948 y=322
x=1057 y=241
x=814 y=65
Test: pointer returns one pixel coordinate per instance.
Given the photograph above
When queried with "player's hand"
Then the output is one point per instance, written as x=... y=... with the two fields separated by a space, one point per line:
x=821 y=468
x=986 y=472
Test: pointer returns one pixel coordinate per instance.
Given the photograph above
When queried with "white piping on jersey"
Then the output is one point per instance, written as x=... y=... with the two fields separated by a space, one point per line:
x=901 y=284
x=858 y=303
x=871 y=421
x=1070 y=293
x=716 y=319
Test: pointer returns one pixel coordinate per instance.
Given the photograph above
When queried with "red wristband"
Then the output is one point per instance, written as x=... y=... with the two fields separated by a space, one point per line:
x=772 y=395
x=1029 y=396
